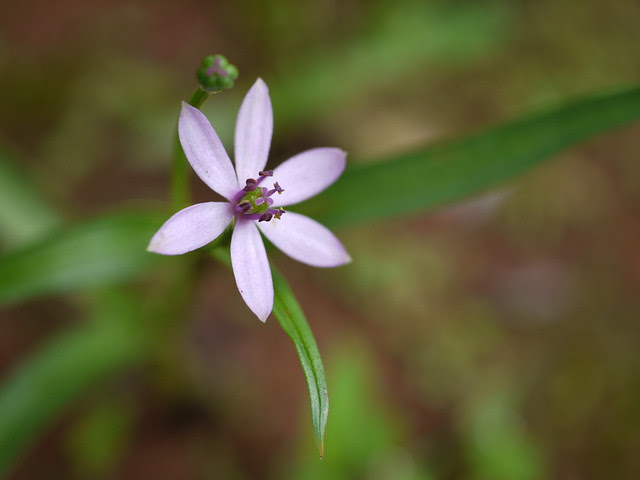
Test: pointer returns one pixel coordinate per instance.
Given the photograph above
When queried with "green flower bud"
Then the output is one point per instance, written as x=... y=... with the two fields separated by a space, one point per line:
x=216 y=73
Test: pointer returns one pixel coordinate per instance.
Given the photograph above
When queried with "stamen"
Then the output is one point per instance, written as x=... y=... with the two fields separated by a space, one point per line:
x=251 y=185
x=255 y=202
x=277 y=188
x=264 y=174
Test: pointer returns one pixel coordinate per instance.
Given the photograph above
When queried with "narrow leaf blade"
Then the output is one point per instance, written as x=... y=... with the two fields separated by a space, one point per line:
x=448 y=171
x=97 y=252
x=292 y=320
x=43 y=385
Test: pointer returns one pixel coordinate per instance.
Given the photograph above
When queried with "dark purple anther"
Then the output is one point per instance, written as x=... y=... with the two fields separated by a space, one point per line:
x=276 y=188
x=265 y=217
x=251 y=185
x=245 y=206
x=266 y=173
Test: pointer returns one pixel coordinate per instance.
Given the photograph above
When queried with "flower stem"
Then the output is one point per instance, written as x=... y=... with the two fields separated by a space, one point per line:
x=180 y=191
x=199 y=97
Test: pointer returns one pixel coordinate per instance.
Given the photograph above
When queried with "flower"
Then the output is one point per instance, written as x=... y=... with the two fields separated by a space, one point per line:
x=253 y=205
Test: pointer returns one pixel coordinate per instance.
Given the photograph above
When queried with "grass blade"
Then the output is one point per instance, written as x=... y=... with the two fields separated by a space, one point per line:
x=292 y=320
x=97 y=252
x=63 y=369
x=449 y=171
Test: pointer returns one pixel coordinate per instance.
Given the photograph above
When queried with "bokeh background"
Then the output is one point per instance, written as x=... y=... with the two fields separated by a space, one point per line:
x=493 y=339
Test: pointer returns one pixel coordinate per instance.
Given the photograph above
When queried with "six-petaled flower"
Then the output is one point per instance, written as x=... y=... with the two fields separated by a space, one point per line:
x=255 y=199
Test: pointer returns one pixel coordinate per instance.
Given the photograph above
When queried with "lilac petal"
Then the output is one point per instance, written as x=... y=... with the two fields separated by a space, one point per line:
x=254 y=128
x=251 y=268
x=305 y=240
x=191 y=228
x=307 y=174
x=205 y=152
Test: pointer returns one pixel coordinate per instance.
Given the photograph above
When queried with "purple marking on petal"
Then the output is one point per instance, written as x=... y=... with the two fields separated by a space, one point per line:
x=251 y=268
x=205 y=152
x=254 y=129
x=191 y=228
x=308 y=173
x=306 y=240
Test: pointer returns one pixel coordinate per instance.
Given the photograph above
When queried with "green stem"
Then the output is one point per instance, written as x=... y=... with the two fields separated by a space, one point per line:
x=180 y=191
x=199 y=97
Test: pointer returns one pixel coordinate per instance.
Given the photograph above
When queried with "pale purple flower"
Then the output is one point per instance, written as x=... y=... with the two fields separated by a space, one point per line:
x=255 y=198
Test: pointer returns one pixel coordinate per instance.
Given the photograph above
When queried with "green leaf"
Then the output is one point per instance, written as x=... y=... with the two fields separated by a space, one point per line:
x=24 y=213
x=448 y=171
x=63 y=369
x=97 y=252
x=292 y=320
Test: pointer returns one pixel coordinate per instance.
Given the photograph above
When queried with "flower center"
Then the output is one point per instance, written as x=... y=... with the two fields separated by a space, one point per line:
x=255 y=202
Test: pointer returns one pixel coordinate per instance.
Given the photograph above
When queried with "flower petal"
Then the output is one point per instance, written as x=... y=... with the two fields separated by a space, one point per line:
x=205 y=152
x=305 y=240
x=254 y=128
x=307 y=174
x=251 y=268
x=191 y=228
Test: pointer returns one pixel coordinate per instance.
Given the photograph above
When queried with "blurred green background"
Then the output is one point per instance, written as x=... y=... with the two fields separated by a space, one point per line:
x=493 y=339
